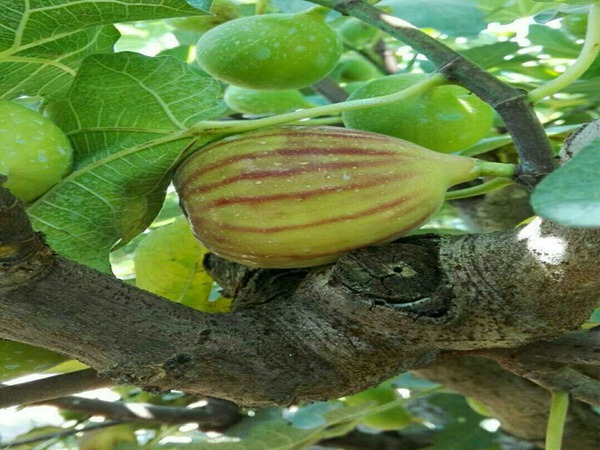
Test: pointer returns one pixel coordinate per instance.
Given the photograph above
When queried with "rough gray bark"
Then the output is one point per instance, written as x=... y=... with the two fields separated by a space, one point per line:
x=520 y=405
x=320 y=333
x=496 y=211
x=313 y=334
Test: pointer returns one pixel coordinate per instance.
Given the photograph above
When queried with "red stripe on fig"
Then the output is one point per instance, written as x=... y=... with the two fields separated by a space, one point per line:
x=303 y=196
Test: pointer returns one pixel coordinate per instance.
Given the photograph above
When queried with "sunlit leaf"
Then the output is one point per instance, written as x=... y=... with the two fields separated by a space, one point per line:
x=571 y=194
x=554 y=42
x=42 y=43
x=452 y=17
x=126 y=116
x=168 y=262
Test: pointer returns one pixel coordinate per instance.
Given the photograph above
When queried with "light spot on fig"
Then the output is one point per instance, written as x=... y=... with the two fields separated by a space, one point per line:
x=262 y=53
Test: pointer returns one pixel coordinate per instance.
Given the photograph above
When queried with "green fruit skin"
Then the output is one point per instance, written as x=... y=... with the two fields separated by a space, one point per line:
x=34 y=153
x=353 y=67
x=18 y=359
x=354 y=32
x=303 y=196
x=250 y=101
x=445 y=118
x=272 y=51
x=390 y=419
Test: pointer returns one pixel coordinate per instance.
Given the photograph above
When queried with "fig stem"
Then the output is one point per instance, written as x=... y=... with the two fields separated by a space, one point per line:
x=261 y=7
x=484 y=188
x=556 y=420
x=240 y=126
x=494 y=169
x=588 y=54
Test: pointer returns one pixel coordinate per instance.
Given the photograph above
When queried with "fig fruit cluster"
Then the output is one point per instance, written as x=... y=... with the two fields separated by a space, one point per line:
x=298 y=196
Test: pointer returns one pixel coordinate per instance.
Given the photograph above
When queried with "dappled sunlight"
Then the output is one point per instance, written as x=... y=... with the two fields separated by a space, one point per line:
x=140 y=410
x=547 y=249
x=395 y=21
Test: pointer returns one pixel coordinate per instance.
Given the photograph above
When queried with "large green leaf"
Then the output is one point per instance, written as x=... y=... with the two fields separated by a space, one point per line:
x=126 y=115
x=505 y=11
x=168 y=262
x=571 y=194
x=462 y=430
x=42 y=42
x=452 y=17
x=554 y=42
x=270 y=430
x=570 y=2
x=491 y=55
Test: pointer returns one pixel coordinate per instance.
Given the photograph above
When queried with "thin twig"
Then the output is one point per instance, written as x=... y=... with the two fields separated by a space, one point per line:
x=52 y=387
x=59 y=434
x=216 y=415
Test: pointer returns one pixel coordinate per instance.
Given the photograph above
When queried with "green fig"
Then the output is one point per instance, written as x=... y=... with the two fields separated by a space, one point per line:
x=250 y=101
x=271 y=51
x=446 y=118
x=34 y=153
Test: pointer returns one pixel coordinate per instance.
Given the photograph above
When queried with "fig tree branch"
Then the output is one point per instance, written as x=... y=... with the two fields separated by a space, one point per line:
x=513 y=105
x=311 y=334
x=216 y=415
x=52 y=387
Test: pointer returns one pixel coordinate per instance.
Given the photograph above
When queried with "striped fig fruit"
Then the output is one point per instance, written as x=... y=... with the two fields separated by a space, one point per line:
x=297 y=196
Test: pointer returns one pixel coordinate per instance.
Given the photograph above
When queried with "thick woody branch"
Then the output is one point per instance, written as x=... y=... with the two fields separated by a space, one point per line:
x=319 y=333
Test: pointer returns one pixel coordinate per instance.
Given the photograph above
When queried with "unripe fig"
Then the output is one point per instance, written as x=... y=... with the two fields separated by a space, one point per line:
x=302 y=196
x=446 y=118
x=271 y=51
x=354 y=32
x=35 y=154
x=250 y=101
x=354 y=67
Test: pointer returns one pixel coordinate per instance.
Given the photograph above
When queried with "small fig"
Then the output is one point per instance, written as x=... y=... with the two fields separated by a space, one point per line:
x=35 y=154
x=250 y=101
x=354 y=32
x=446 y=118
x=302 y=196
x=271 y=51
x=354 y=67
